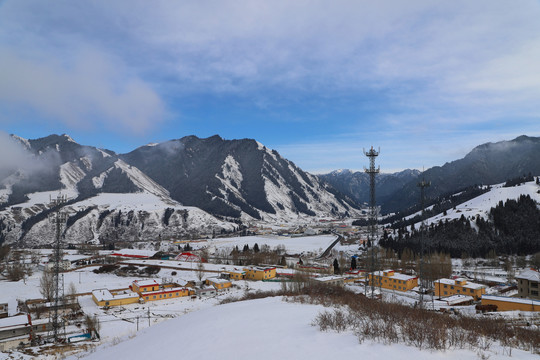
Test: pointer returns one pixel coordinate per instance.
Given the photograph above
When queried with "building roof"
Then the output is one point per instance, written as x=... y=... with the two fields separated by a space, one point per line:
x=106 y=295
x=259 y=268
x=216 y=280
x=468 y=285
x=134 y=253
x=328 y=278
x=457 y=299
x=14 y=321
x=511 y=299
x=143 y=283
x=396 y=275
x=531 y=275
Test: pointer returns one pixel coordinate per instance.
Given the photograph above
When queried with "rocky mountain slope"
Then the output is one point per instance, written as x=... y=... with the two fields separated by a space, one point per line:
x=158 y=191
x=236 y=177
x=490 y=163
x=356 y=184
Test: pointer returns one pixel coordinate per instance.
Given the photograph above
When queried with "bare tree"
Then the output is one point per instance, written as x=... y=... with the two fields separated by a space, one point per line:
x=46 y=285
x=92 y=323
x=200 y=271
x=15 y=271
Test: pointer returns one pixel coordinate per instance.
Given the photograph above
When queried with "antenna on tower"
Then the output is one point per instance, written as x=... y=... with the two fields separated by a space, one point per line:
x=58 y=218
x=423 y=281
x=372 y=171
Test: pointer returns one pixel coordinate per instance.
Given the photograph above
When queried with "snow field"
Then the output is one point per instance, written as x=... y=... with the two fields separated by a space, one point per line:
x=264 y=329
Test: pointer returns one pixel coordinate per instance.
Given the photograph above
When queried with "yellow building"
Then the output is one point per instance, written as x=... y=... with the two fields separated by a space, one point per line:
x=103 y=297
x=218 y=284
x=234 y=274
x=389 y=279
x=143 y=286
x=448 y=287
x=260 y=273
x=509 y=304
x=167 y=293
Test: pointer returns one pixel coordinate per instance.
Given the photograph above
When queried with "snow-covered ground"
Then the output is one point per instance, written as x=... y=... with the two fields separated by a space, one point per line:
x=263 y=329
x=292 y=245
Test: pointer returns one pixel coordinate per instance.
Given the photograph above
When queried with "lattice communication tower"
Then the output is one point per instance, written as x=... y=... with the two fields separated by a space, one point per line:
x=373 y=213
x=58 y=219
x=423 y=281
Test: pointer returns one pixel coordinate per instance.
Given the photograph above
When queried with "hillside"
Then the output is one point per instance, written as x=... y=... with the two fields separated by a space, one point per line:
x=489 y=163
x=265 y=329
x=504 y=219
x=236 y=177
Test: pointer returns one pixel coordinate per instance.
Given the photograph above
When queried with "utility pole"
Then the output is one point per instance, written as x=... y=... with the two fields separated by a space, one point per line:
x=422 y=184
x=149 y=316
x=58 y=219
x=372 y=171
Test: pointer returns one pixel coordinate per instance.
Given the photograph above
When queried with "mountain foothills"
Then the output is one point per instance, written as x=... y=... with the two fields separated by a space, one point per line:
x=173 y=189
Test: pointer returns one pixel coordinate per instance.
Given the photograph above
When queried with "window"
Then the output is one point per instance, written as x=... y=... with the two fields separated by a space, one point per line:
x=534 y=292
x=154 y=296
x=451 y=287
x=445 y=286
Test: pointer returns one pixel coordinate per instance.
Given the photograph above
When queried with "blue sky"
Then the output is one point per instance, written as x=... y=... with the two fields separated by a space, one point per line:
x=425 y=81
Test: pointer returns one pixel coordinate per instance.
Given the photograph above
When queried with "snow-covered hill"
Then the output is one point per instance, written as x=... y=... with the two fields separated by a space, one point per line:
x=481 y=205
x=107 y=217
x=266 y=329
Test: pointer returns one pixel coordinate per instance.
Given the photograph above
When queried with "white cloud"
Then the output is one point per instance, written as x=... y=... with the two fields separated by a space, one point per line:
x=430 y=65
x=89 y=91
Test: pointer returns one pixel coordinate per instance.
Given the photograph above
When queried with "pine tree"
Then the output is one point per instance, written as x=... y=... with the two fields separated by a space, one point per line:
x=336 y=266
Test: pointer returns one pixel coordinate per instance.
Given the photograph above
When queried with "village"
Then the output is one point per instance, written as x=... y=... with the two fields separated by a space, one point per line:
x=136 y=288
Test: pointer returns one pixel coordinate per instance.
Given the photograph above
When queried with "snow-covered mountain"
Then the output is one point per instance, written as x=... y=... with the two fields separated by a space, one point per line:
x=355 y=184
x=157 y=191
x=490 y=163
x=237 y=178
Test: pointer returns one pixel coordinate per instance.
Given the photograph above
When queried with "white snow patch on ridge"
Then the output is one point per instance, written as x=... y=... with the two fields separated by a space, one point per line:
x=140 y=180
x=70 y=175
x=99 y=180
